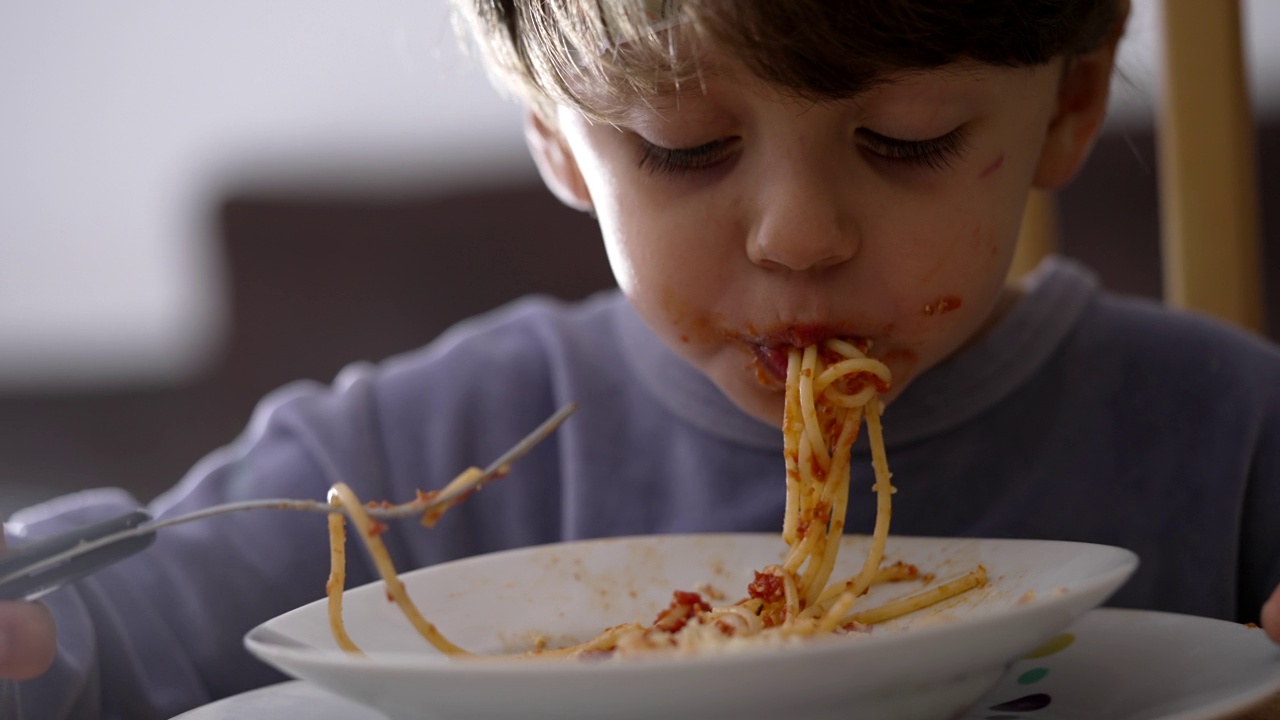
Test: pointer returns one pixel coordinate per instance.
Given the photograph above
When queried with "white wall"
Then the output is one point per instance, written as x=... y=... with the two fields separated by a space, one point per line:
x=122 y=119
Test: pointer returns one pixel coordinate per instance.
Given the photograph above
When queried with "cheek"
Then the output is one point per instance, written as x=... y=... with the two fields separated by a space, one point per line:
x=690 y=323
x=982 y=221
x=669 y=278
x=903 y=362
x=945 y=267
x=992 y=168
x=636 y=258
x=624 y=268
x=942 y=305
x=954 y=289
x=946 y=320
x=972 y=273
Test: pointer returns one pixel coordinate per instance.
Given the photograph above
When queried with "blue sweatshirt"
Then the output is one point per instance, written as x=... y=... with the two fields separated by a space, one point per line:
x=1081 y=416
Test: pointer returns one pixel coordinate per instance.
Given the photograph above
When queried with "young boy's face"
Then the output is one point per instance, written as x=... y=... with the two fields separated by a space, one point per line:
x=779 y=222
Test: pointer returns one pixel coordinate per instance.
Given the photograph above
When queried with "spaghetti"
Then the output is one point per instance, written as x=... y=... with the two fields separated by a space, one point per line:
x=831 y=391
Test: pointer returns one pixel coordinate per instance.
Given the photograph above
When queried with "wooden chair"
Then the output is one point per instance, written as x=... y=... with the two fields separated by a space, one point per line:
x=1208 y=177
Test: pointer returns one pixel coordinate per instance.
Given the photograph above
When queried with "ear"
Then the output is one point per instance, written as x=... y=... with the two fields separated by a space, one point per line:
x=1082 y=106
x=556 y=163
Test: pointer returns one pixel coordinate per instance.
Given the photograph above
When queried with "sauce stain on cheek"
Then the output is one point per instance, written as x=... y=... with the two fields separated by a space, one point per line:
x=902 y=356
x=942 y=305
x=693 y=327
x=994 y=166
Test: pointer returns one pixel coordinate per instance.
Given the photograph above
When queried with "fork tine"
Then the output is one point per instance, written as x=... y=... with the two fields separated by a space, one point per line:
x=495 y=469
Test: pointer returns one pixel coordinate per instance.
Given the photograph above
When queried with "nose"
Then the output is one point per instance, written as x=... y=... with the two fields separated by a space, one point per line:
x=804 y=221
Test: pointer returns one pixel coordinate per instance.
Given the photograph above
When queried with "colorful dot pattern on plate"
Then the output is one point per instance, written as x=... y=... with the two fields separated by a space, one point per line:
x=1028 y=674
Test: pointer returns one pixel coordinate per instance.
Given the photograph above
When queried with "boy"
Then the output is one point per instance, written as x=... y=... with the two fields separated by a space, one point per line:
x=765 y=175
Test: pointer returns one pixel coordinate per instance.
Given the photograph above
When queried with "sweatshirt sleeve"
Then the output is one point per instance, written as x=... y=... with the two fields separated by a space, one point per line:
x=162 y=632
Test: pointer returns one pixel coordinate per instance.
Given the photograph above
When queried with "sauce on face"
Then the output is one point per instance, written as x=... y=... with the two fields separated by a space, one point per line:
x=770 y=349
x=694 y=327
x=900 y=356
x=994 y=166
x=942 y=305
x=771 y=363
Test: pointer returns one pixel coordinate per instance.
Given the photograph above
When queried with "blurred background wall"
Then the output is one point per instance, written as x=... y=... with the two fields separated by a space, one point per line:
x=202 y=201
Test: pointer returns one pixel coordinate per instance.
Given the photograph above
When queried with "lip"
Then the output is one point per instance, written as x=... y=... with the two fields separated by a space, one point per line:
x=772 y=349
x=801 y=335
x=771 y=363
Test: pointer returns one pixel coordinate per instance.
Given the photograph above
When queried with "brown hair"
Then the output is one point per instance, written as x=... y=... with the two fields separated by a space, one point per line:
x=602 y=56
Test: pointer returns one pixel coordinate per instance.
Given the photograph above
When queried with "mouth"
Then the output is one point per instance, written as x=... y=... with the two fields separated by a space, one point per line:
x=771 y=364
x=771 y=351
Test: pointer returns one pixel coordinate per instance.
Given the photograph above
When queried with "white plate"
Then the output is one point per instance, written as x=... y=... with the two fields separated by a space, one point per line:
x=1119 y=665
x=1136 y=665
x=933 y=664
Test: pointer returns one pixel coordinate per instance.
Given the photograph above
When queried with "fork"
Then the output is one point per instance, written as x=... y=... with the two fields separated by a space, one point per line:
x=35 y=570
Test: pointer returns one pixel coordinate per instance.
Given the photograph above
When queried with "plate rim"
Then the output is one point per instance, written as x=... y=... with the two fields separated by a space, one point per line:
x=1127 y=562
x=1216 y=710
x=1220 y=709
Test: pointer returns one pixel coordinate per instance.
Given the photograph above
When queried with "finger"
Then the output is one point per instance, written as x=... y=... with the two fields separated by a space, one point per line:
x=1271 y=616
x=27 y=640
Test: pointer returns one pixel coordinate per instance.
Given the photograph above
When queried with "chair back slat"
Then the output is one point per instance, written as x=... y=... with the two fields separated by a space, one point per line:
x=1207 y=166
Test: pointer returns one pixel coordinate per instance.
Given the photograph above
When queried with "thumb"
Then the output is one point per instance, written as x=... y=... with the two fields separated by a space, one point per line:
x=27 y=640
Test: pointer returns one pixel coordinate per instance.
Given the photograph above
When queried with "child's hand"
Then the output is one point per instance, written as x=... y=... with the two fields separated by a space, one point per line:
x=1271 y=616
x=27 y=639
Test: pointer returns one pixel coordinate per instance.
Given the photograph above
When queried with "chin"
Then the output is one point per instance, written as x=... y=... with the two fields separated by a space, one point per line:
x=760 y=402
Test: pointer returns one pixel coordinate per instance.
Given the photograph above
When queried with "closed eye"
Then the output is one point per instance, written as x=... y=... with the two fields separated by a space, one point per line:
x=659 y=160
x=937 y=153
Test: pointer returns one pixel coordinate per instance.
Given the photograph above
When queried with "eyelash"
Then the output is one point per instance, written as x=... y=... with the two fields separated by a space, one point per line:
x=658 y=160
x=932 y=154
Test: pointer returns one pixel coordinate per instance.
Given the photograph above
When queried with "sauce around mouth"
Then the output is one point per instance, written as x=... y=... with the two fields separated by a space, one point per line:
x=771 y=364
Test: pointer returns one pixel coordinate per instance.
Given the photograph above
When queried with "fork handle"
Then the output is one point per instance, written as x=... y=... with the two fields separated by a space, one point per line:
x=30 y=586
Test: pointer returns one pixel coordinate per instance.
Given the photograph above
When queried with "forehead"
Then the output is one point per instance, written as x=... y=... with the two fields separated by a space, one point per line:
x=673 y=61
x=719 y=82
